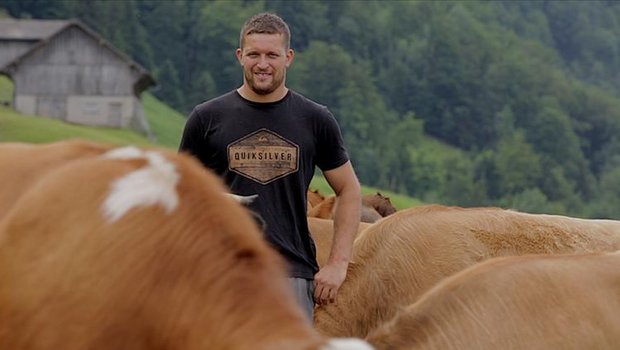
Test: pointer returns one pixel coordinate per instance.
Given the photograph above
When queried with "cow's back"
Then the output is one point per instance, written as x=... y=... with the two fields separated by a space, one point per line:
x=25 y=163
x=532 y=302
x=322 y=232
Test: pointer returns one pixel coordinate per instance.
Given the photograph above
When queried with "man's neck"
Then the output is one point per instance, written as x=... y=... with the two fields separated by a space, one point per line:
x=250 y=95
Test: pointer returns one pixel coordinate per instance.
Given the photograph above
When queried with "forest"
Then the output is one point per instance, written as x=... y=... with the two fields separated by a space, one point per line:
x=472 y=103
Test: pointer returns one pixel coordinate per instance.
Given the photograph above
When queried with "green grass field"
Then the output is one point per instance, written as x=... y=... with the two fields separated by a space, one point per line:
x=17 y=127
x=166 y=124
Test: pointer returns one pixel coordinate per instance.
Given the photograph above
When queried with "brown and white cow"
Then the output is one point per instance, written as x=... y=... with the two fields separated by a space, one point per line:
x=26 y=163
x=142 y=249
x=403 y=255
x=528 y=302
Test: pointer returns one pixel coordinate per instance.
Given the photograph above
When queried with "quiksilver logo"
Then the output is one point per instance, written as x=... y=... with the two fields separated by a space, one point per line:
x=263 y=156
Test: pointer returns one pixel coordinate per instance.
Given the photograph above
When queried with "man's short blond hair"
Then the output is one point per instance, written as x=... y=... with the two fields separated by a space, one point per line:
x=266 y=23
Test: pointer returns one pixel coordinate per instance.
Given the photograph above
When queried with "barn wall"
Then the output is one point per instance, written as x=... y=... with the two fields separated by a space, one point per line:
x=26 y=104
x=101 y=110
x=73 y=63
x=11 y=49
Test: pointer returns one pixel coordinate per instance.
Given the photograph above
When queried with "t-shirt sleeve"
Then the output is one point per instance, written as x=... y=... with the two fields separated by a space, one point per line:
x=192 y=134
x=331 y=152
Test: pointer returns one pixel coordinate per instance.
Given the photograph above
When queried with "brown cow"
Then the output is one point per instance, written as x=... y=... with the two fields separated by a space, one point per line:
x=25 y=163
x=405 y=254
x=322 y=232
x=532 y=302
x=141 y=250
x=372 y=208
x=380 y=203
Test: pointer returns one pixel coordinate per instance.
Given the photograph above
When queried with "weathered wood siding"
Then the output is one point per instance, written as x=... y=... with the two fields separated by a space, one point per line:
x=10 y=49
x=73 y=63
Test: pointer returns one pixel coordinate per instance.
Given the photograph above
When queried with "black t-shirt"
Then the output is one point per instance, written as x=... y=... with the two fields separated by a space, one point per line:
x=269 y=149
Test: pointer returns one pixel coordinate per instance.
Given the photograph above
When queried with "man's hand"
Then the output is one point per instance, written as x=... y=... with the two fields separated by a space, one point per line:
x=327 y=282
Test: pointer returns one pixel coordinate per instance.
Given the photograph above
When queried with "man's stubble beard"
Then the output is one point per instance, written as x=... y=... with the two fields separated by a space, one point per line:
x=275 y=84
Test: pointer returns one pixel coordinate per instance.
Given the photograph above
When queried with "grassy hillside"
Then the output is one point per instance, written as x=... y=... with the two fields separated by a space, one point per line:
x=166 y=124
x=17 y=127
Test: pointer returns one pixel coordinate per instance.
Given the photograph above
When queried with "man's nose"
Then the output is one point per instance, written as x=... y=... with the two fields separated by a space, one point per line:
x=262 y=62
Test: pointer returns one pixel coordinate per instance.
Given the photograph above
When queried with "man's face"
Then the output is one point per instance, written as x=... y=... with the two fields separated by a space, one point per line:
x=264 y=58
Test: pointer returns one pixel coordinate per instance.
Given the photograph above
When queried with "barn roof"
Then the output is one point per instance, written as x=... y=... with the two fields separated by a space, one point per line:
x=12 y=29
x=40 y=32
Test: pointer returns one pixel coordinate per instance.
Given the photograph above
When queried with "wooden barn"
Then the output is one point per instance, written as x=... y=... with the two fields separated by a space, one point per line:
x=62 y=69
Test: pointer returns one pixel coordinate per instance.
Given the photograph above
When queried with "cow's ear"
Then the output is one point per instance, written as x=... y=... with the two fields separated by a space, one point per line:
x=260 y=222
x=243 y=199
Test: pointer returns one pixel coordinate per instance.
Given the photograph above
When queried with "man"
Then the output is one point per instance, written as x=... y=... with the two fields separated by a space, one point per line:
x=265 y=139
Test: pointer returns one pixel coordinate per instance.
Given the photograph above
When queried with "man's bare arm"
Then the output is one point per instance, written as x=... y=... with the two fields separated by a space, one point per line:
x=345 y=184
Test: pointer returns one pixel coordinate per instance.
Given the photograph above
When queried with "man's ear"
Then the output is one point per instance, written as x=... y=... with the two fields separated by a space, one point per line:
x=290 y=54
x=239 y=54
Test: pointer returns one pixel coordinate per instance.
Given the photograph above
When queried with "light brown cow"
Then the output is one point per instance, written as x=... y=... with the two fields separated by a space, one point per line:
x=324 y=209
x=141 y=249
x=405 y=254
x=25 y=163
x=322 y=232
x=532 y=302
x=314 y=198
